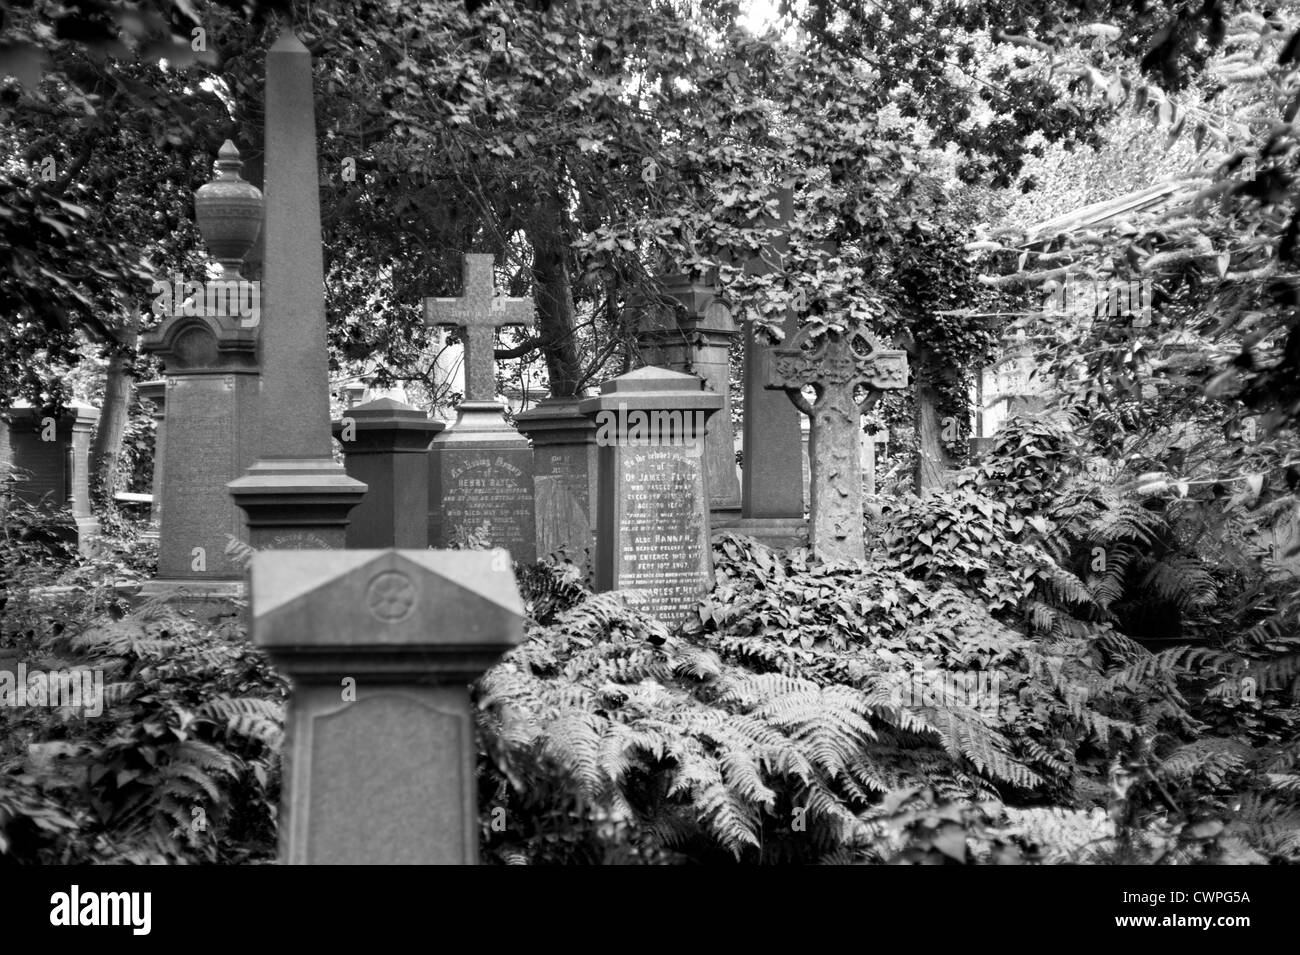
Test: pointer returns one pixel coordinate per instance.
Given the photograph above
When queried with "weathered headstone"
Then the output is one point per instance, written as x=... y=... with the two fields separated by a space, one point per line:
x=652 y=500
x=773 y=492
x=835 y=364
x=211 y=396
x=381 y=647
x=564 y=480
x=211 y=401
x=295 y=496
x=481 y=468
x=386 y=447
x=694 y=337
x=155 y=392
x=51 y=458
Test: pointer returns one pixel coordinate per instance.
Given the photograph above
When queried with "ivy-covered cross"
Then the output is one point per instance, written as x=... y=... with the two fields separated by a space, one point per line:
x=835 y=364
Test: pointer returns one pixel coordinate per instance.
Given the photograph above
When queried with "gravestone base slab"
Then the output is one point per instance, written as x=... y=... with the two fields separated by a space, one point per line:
x=779 y=533
x=208 y=600
x=720 y=516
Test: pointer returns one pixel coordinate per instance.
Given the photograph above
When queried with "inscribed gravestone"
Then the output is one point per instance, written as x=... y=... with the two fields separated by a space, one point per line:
x=383 y=774
x=480 y=468
x=564 y=479
x=652 y=498
x=210 y=394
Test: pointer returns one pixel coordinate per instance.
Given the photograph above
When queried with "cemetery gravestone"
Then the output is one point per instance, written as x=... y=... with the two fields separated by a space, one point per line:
x=480 y=468
x=381 y=647
x=211 y=395
x=386 y=447
x=652 y=524
x=774 y=484
x=694 y=337
x=835 y=365
x=51 y=457
x=564 y=480
x=294 y=496
x=155 y=392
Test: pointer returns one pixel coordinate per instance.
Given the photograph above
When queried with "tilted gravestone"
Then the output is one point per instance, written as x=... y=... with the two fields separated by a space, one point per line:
x=694 y=336
x=294 y=496
x=381 y=646
x=836 y=365
x=652 y=524
x=50 y=456
x=386 y=447
x=481 y=468
x=564 y=477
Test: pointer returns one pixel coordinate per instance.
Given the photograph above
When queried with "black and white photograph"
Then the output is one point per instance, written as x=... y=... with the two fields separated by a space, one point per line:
x=671 y=433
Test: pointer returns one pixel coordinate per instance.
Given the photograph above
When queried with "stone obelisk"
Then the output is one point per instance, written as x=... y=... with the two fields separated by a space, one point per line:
x=294 y=496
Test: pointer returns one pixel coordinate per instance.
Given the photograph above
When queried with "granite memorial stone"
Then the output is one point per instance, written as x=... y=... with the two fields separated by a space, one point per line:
x=295 y=495
x=652 y=498
x=381 y=646
x=481 y=468
x=386 y=447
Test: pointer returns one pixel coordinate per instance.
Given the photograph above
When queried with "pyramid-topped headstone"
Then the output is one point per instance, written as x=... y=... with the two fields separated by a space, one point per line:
x=381 y=646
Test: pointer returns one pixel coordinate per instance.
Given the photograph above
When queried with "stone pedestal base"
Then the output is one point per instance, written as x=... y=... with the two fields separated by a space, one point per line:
x=780 y=533
x=296 y=504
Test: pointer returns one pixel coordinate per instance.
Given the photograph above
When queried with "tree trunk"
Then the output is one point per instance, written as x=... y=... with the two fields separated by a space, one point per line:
x=106 y=449
x=556 y=322
x=932 y=458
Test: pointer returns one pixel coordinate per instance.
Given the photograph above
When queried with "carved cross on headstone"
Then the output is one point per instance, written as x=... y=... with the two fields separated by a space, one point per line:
x=478 y=313
x=835 y=365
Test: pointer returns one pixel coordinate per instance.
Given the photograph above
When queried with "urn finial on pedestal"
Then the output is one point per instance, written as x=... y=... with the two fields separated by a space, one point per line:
x=228 y=211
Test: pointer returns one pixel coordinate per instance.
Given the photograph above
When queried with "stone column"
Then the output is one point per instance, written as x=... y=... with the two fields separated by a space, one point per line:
x=82 y=424
x=694 y=337
x=652 y=523
x=386 y=447
x=381 y=647
x=155 y=392
x=295 y=496
x=564 y=477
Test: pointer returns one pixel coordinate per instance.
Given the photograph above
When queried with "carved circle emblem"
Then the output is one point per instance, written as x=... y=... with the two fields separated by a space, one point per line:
x=391 y=596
